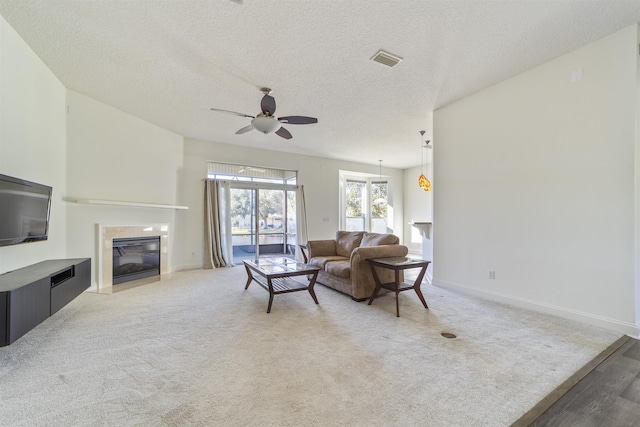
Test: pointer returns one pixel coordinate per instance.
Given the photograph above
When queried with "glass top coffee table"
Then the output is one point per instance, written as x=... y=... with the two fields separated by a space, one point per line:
x=397 y=264
x=281 y=275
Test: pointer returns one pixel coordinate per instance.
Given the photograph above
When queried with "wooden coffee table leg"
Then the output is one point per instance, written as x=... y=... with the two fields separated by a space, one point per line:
x=312 y=283
x=249 y=277
x=271 y=294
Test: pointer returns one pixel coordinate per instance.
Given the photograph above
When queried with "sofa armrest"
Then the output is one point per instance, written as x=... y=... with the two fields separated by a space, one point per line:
x=321 y=248
x=384 y=251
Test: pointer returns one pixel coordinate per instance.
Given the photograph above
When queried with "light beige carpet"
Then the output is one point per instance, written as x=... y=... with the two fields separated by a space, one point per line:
x=198 y=349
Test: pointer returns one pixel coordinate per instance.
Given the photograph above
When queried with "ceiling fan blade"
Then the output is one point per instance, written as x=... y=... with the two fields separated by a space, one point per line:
x=284 y=133
x=244 y=130
x=232 y=112
x=268 y=105
x=298 y=120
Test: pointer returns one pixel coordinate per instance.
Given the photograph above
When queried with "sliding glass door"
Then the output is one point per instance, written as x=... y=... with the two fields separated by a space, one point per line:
x=263 y=220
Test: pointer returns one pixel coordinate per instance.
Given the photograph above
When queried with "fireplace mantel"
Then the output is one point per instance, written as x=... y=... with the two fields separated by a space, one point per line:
x=123 y=203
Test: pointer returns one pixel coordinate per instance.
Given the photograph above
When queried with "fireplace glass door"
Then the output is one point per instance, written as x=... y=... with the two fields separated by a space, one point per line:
x=135 y=258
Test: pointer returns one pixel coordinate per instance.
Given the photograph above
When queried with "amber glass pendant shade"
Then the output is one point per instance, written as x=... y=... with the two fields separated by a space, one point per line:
x=424 y=183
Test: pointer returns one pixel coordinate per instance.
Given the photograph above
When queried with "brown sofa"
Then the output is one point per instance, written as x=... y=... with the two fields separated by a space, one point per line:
x=343 y=261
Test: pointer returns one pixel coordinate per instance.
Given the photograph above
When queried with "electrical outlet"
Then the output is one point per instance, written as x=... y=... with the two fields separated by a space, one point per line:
x=576 y=75
x=492 y=274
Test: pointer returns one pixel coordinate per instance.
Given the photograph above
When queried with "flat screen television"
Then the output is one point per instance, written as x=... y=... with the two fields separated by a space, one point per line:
x=24 y=211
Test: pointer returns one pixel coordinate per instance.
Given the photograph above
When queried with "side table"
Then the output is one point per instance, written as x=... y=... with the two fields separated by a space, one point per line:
x=397 y=264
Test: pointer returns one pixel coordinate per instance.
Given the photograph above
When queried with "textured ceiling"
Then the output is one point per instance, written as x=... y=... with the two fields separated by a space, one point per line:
x=169 y=62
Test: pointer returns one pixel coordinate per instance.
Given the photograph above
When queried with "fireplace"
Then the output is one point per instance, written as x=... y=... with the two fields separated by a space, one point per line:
x=135 y=258
x=106 y=234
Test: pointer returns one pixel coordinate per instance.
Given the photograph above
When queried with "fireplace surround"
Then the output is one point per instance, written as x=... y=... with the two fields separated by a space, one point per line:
x=106 y=234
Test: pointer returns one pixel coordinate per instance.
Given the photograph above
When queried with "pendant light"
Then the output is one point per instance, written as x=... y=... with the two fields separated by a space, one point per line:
x=423 y=182
x=380 y=200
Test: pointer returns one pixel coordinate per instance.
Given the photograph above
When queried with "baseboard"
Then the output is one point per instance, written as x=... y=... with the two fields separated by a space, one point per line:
x=630 y=329
x=183 y=267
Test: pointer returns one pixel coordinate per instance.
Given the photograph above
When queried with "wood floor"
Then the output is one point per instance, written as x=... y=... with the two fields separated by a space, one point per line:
x=606 y=392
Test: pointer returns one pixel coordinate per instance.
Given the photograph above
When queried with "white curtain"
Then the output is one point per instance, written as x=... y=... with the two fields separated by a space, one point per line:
x=302 y=234
x=217 y=225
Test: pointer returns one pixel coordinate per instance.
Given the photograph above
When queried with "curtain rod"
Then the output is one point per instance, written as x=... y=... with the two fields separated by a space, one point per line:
x=251 y=183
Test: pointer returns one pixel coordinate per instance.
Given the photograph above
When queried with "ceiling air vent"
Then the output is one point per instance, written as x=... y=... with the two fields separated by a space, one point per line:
x=386 y=58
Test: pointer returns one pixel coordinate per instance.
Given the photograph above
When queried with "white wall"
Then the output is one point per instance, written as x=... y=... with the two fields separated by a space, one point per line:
x=115 y=156
x=535 y=180
x=32 y=140
x=319 y=176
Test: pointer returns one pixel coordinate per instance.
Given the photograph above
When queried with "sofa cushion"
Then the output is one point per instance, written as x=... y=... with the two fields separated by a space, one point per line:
x=377 y=239
x=347 y=241
x=339 y=268
x=321 y=261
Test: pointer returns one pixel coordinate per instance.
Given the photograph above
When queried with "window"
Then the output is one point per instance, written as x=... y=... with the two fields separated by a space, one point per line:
x=233 y=172
x=379 y=205
x=355 y=203
x=365 y=204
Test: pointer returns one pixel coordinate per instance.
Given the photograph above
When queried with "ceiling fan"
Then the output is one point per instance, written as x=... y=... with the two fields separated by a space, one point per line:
x=266 y=122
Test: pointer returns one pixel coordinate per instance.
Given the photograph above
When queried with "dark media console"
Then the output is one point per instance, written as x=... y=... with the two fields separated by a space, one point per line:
x=31 y=294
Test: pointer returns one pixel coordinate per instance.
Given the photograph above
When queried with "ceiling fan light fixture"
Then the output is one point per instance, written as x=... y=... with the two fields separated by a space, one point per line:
x=265 y=124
